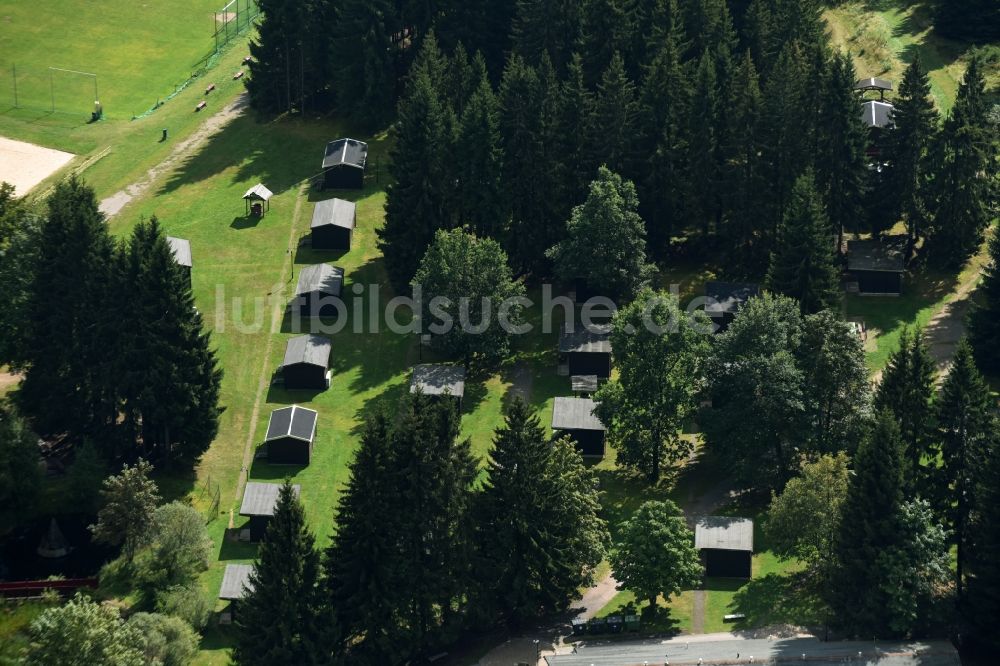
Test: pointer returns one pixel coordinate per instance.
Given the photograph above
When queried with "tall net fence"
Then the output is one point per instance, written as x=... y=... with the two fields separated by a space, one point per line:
x=51 y=89
x=234 y=19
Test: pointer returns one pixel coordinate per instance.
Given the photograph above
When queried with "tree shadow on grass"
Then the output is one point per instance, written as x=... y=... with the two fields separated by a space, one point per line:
x=656 y=620
x=779 y=599
x=232 y=549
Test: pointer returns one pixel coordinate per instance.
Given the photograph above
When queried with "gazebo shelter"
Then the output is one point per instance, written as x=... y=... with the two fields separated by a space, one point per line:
x=725 y=545
x=575 y=417
x=258 y=200
x=235 y=586
x=181 y=249
x=873 y=84
x=586 y=351
x=332 y=224
x=315 y=283
x=307 y=358
x=439 y=379
x=725 y=300
x=878 y=265
x=259 y=500
x=291 y=432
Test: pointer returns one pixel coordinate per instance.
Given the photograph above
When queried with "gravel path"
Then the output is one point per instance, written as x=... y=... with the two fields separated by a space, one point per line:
x=113 y=204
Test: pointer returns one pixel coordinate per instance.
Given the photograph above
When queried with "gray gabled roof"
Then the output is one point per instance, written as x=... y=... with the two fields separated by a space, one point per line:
x=259 y=192
x=333 y=212
x=438 y=379
x=296 y=422
x=728 y=297
x=181 y=248
x=345 y=152
x=724 y=533
x=308 y=349
x=575 y=414
x=323 y=278
x=886 y=256
x=236 y=582
x=259 y=499
x=873 y=83
x=876 y=114
x=585 y=340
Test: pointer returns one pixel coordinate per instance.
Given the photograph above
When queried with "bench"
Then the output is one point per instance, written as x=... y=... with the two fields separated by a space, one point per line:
x=201 y=105
x=238 y=75
x=210 y=88
x=733 y=617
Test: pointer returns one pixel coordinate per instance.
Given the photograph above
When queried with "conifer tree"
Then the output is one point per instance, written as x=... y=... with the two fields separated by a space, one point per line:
x=802 y=262
x=478 y=159
x=961 y=190
x=546 y=27
x=984 y=320
x=964 y=427
x=277 y=66
x=605 y=31
x=759 y=34
x=414 y=206
x=870 y=525
x=703 y=144
x=983 y=577
x=615 y=112
x=906 y=391
x=279 y=618
x=364 y=59
x=914 y=121
x=841 y=169
x=360 y=580
x=573 y=156
x=977 y=20
x=539 y=533
x=741 y=179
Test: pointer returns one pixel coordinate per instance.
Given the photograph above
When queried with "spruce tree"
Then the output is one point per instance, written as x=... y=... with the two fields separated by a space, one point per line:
x=906 y=392
x=360 y=579
x=742 y=184
x=546 y=27
x=573 y=156
x=961 y=190
x=984 y=320
x=613 y=124
x=364 y=59
x=841 y=169
x=538 y=532
x=414 y=206
x=914 y=121
x=280 y=617
x=870 y=525
x=802 y=263
x=759 y=33
x=605 y=31
x=977 y=20
x=964 y=426
x=703 y=143
x=478 y=159
x=277 y=66
x=983 y=577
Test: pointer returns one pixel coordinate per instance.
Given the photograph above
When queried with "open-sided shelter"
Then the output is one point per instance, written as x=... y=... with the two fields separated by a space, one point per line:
x=725 y=545
x=257 y=200
x=333 y=223
x=439 y=379
x=181 y=248
x=291 y=432
x=575 y=417
x=878 y=265
x=586 y=351
x=316 y=283
x=307 y=358
x=724 y=300
x=344 y=164
x=873 y=84
x=259 y=500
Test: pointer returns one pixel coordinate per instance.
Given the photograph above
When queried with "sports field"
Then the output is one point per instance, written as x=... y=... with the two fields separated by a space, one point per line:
x=139 y=50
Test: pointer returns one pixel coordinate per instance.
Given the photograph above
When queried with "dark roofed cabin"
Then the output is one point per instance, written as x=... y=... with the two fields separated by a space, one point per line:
x=291 y=432
x=332 y=224
x=725 y=545
x=586 y=351
x=726 y=299
x=439 y=379
x=876 y=114
x=259 y=500
x=307 y=358
x=878 y=266
x=344 y=164
x=181 y=248
x=316 y=283
x=575 y=417
x=235 y=585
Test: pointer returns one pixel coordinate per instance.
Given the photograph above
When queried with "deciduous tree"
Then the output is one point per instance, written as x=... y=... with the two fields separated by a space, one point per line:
x=130 y=500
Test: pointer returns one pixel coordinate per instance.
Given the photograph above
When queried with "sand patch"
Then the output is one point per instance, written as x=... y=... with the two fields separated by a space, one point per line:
x=24 y=165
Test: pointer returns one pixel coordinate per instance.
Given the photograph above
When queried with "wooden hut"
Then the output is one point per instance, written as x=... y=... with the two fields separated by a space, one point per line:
x=306 y=362
x=259 y=500
x=181 y=248
x=586 y=351
x=235 y=585
x=724 y=300
x=333 y=224
x=725 y=545
x=344 y=164
x=575 y=417
x=318 y=283
x=439 y=379
x=291 y=432
x=877 y=266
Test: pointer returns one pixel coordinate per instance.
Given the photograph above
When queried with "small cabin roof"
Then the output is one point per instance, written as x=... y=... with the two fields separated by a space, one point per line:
x=575 y=414
x=438 y=379
x=323 y=278
x=876 y=114
x=295 y=422
x=335 y=213
x=236 y=582
x=728 y=297
x=345 y=152
x=258 y=191
x=308 y=349
x=181 y=247
x=873 y=83
x=724 y=533
x=259 y=499
x=583 y=339
x=885 y=256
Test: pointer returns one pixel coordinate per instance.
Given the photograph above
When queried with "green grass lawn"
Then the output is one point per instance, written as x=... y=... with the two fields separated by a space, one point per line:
x=15 y=616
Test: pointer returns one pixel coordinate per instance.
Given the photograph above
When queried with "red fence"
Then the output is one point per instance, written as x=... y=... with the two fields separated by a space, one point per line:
x=34 y=588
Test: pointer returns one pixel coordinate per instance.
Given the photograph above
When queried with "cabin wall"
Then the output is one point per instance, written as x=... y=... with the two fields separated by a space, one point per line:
x=304 y=376
x=343 y=178
x=727 y=563
x=589 y=363
x=331 y=238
